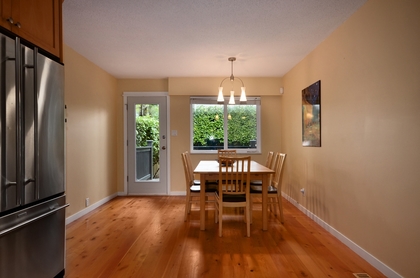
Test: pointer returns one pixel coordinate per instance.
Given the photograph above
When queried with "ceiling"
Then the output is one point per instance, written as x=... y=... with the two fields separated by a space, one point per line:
x=194 y=38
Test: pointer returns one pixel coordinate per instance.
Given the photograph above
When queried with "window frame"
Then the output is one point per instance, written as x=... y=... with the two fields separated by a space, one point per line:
x=213 y=100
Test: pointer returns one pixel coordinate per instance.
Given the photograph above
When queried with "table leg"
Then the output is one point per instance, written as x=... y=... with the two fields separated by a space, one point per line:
x=202 y=202
x=264 y=202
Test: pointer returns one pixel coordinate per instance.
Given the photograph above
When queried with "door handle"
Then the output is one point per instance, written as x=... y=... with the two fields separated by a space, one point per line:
x=52 y=210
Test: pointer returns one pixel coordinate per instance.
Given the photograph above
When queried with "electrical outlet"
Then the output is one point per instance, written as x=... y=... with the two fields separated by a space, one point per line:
x=87 y=202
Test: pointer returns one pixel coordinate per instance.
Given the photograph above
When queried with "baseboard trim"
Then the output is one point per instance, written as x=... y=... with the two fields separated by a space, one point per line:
x=387 y=271
x=90 y=208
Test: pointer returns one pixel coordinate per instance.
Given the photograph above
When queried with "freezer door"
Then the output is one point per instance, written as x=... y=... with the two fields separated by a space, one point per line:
x=50 y=80
x=32 y=241
x=9 y=193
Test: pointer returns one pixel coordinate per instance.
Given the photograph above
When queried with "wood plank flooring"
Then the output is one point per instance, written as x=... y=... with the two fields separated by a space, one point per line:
x=147 y=237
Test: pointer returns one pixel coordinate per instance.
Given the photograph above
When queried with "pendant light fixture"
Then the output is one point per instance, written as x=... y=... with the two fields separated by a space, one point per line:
x=220 y=97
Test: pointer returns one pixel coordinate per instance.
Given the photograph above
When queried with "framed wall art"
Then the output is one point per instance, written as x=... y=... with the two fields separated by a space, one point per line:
x=311 y=115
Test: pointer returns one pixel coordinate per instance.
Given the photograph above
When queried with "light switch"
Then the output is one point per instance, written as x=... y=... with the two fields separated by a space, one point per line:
x=174 y=132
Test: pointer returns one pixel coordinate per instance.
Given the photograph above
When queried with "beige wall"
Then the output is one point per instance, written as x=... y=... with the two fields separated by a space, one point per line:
x=91 y=146
x=179 y=90
x=364 y=181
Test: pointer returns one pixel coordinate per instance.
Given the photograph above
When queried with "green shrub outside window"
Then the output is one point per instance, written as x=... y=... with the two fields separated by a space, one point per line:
x=223 y=126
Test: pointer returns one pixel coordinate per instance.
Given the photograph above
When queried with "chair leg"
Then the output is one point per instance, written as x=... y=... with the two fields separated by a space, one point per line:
x=248 y=219
x=216 y=212
x=273 y=205
x=220 y=220
x=187 y=206
x=280 y=203
x=250 y=208
x=272 y=208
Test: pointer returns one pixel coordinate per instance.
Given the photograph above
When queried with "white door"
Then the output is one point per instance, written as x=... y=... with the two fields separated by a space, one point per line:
x=146 y=145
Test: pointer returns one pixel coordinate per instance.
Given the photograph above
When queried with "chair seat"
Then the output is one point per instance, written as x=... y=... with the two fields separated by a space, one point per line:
x=258 y=189
x=209 y=188
x=233 y=198
x=256 y=182
x=197 y=182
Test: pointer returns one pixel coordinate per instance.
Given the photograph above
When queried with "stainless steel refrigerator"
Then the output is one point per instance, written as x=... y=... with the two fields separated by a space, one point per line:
x=32 y=193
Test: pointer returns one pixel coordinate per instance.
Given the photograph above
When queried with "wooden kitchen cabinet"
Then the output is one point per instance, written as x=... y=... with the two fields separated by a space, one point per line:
x=37 y=21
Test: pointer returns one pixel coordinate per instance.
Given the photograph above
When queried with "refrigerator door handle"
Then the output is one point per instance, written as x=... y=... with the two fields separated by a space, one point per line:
x=53 y=210
x=9 y=184
x=19 y=119
x=28 y=181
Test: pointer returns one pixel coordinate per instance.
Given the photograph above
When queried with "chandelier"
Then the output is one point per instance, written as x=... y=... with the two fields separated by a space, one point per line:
x=220 y=98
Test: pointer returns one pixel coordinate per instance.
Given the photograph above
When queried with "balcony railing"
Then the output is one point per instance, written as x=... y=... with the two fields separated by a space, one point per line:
x=144 y=162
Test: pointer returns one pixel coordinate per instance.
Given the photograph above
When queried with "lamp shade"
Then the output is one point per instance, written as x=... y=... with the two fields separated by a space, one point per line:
x=243 y=95
x=232 y=97
x=220 y=98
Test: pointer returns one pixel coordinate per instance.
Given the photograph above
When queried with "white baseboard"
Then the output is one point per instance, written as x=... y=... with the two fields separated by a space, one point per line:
x=387 y=271
x=89 y=209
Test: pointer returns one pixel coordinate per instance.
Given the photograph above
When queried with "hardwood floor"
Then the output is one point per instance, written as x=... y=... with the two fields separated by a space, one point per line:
x=147 y=237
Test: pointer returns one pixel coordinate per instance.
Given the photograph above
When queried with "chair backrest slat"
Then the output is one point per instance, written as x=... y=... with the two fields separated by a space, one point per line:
x=269 y=160
x=276 y=181
x=188 y=174
x=234 y=174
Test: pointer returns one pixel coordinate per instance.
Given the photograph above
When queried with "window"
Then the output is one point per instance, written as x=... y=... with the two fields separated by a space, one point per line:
x=223 y=126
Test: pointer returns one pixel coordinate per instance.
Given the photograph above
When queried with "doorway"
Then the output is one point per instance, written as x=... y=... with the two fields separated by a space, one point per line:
x=146 y=145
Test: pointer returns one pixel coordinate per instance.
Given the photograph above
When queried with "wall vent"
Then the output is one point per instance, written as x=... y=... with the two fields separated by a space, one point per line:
x=361 y=275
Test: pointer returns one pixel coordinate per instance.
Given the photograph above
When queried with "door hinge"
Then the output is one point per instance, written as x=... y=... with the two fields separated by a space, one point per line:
x=127 y=179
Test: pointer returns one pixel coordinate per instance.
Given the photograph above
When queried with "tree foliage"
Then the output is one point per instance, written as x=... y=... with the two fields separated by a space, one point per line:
x=208 y=124
x=209 y=120
x=147 y=128
x=242 y=125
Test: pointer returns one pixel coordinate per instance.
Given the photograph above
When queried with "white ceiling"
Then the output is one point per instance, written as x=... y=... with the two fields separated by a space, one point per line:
x=194 y=38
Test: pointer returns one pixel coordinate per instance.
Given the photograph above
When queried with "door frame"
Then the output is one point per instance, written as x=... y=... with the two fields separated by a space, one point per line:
x=125 y=142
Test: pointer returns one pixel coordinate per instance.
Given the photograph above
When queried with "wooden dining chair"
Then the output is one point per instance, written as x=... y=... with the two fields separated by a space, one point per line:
x=274 y=188
x=233 y=190
x=221 y=153
x=269 y=163
x=193 y=190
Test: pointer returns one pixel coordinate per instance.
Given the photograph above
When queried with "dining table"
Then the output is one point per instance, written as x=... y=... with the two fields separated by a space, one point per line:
x=208 y=170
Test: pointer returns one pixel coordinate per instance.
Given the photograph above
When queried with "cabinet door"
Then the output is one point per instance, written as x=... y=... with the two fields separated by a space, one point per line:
x=39 y=21
x=6 y=13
